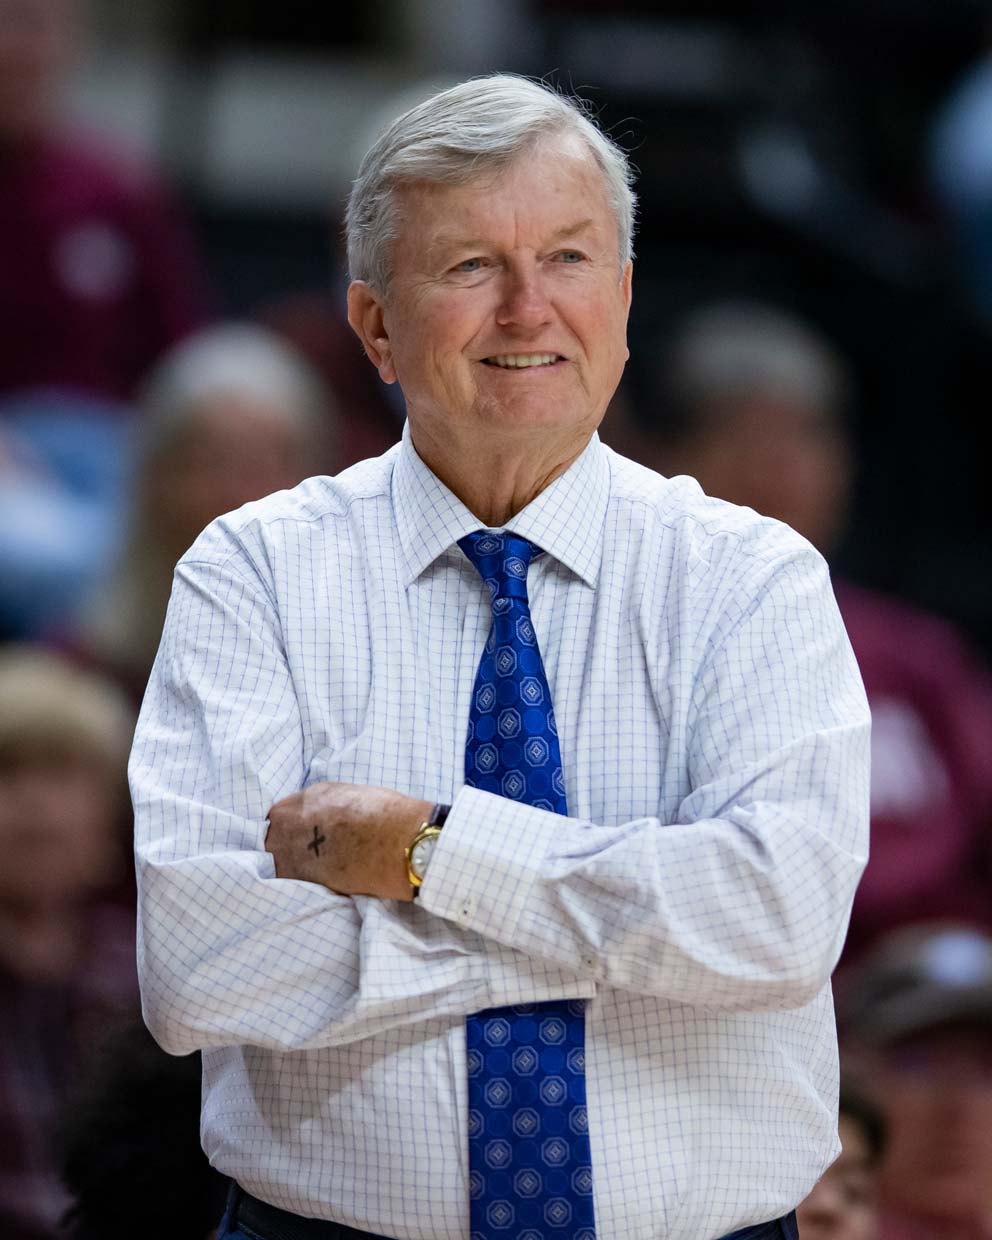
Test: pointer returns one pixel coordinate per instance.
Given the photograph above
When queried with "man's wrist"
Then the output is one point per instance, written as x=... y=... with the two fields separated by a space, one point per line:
x=421 y=847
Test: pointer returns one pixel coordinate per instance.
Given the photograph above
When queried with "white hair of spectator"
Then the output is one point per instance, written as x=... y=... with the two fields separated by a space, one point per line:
x=225 y=360
x=54 y=710
x=123 y=622
x=462 y=134
x=738 y=349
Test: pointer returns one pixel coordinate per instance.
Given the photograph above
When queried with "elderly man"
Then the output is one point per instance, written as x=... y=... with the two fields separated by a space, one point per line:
x=542 y=948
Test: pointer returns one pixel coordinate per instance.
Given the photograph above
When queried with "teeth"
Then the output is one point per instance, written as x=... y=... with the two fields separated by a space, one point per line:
x=522 y=360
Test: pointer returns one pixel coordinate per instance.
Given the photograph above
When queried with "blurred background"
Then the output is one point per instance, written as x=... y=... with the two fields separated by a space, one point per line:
x=833 y=159
x=810 y=335
x=821 y=157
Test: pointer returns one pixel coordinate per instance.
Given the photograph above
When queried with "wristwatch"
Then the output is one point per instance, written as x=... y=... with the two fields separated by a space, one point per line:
x=420 y=848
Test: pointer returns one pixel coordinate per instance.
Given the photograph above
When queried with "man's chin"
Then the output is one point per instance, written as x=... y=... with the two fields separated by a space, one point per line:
x=525 y=412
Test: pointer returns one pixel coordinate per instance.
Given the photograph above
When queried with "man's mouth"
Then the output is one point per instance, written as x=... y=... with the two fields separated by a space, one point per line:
x=522 y=361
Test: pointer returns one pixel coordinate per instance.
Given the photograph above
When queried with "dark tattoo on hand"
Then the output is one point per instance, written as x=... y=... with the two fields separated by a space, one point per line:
x=316 y=842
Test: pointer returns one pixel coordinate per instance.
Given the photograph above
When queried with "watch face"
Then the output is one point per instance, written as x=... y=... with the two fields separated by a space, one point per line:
x=420 y=855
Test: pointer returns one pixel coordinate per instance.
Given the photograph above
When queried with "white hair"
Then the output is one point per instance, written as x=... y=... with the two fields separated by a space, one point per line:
x=226 y=359
x=748 y=348
x=460 y=134
x=123 y=622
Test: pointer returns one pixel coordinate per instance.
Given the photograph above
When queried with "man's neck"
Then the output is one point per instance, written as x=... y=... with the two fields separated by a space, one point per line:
x=496 y=483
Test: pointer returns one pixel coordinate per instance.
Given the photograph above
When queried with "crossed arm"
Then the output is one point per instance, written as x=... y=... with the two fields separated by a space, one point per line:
x=348 y=838
x=741 y=902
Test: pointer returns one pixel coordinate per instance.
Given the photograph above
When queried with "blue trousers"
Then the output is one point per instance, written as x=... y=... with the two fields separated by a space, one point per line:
x=248 y=1219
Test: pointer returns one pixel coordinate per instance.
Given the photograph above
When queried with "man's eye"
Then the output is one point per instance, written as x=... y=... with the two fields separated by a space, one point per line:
x=469 y=265
x=570 y=256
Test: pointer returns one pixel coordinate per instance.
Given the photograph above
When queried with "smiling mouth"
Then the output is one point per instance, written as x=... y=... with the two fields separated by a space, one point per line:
x=522 y=361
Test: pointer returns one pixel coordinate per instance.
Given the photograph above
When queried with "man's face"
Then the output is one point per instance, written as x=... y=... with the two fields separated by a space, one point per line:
x=936 y=1092
x=842 y=1205
x=778 y=457
x=507 y=309
x=235 y=448
x=56 y=833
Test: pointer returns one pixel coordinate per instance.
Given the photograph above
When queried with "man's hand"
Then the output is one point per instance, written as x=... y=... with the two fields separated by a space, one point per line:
x=347 y=837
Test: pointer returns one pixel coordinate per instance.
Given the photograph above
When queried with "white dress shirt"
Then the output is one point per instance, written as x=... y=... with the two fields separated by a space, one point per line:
x=714 y=740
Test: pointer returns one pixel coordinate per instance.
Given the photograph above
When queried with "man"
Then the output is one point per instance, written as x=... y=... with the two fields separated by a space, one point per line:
x=66 y=940
x=99 y=278
x=917 y=1021
x=600 y=1004
x=844 y=1202
x=228 y=416
x=100 y=275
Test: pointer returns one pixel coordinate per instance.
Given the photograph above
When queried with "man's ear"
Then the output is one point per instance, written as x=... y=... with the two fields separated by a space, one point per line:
x=365 y=314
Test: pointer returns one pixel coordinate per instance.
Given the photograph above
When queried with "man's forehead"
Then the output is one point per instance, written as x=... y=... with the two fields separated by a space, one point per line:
x=451 y=214
x=448 y=234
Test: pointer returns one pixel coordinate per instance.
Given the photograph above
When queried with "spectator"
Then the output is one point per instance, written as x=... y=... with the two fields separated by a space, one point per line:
x=918 y=1013
x=117 y=1162
x=229 y=416
x=99 y=276
x=66 y=951
x=752 y=402
x=371 y=414
x=844 y=1205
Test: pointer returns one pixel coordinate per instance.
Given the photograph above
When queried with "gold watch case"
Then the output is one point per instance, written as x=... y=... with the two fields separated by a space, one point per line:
x=427 y=831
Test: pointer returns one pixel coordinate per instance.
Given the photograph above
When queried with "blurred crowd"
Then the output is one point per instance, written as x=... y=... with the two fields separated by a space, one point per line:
x=131 y=415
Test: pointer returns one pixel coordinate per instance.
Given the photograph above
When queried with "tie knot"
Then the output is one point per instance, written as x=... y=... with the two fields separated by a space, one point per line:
x=502 y=561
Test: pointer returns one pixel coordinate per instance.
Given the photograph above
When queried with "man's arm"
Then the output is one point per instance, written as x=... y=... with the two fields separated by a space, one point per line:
x=228 y=952
x=744 y=900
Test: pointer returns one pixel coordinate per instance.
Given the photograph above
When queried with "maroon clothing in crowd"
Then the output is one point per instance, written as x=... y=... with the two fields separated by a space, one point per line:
x=48 y=1032
x=931 y=791
x=97 y=274
x=899 y=1227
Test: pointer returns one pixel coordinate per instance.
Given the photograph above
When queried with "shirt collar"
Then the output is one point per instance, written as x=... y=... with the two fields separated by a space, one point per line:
x=565 y=519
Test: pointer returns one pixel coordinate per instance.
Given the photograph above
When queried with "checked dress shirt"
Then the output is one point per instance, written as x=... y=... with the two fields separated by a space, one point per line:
x=714 y=742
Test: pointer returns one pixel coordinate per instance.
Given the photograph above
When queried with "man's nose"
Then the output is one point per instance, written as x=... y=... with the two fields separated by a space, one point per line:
x=525 y=302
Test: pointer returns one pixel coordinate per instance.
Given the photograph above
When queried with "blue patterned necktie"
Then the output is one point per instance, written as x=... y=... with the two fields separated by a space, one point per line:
x=530 y=1170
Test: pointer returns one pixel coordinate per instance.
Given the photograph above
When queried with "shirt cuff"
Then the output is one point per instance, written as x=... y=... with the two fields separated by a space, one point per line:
x=486 y=862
